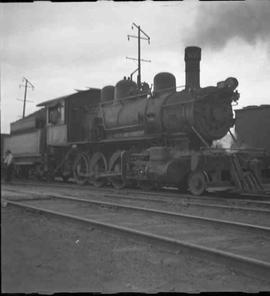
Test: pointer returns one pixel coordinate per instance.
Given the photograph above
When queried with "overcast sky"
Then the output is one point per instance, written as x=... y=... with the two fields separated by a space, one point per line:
x=60 y=47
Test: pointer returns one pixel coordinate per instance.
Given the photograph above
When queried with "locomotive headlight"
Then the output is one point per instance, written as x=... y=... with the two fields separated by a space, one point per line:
x=231 y=83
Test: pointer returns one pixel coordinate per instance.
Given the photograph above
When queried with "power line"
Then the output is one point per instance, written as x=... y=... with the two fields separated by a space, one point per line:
x=139 y=37
x=26 y=85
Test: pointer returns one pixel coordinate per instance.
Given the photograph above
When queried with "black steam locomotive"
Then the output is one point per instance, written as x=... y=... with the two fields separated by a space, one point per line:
x=128 y=135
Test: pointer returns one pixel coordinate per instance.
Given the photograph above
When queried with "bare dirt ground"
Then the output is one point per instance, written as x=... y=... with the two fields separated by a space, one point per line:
x=45 y=254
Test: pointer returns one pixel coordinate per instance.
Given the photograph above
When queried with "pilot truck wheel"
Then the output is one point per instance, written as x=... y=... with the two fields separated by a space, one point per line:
x=197 y=183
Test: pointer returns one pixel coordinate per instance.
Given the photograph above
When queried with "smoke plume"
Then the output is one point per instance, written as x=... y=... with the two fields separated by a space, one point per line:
x=218 y=23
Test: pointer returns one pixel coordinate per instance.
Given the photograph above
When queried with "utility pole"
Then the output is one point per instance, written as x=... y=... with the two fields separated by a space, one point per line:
x=26 y=85
x=139 y=51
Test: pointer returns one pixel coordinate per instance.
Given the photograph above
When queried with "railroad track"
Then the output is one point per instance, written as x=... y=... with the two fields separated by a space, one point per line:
x=259 y=200
x=192 y=200
x=170 y=192
x=155 y=196
x=241 y=245
x=256 y=212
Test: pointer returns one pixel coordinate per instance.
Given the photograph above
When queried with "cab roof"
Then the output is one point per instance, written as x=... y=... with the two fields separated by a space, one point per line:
x=56 y=100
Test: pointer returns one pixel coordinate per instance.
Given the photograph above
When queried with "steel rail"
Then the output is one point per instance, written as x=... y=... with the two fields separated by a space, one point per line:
x=166 y=213
x=188 y=202
x=202 y=197
x=156 y=194
x=155 y=211
x=251 y=266
x=237 y=208
x=205 y=205
x=216 y=206
x=170 y=194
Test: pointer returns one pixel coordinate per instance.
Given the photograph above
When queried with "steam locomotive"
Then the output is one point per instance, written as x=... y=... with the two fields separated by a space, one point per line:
x=131 y=135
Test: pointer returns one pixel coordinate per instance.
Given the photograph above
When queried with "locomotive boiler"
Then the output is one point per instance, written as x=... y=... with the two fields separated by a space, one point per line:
x=126 y=135
x=205 y=112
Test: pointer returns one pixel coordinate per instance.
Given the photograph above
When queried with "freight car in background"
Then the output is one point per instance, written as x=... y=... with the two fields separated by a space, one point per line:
x=252 y=129
x=131 y=135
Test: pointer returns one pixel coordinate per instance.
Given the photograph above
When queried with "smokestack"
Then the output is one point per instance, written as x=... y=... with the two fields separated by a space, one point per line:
x=192 y=59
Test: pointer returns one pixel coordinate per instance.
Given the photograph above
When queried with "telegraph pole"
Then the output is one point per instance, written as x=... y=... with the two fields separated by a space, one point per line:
x=26 y=85
x=146 y=37
x=139 y=57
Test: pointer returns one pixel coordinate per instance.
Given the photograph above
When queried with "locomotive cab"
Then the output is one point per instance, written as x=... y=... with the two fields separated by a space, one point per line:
x=56 y=128
x=72 y=118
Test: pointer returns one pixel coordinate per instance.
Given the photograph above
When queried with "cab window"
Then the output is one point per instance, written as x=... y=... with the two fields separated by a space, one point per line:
x=56 y=114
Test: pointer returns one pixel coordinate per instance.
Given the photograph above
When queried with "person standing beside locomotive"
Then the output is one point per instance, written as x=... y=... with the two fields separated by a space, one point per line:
x=8 y=163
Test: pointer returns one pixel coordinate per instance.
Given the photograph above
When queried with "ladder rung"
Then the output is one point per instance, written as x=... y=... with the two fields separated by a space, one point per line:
x=246 y=180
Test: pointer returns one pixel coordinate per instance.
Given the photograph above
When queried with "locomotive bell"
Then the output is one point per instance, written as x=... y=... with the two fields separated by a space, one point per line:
x=192 y=59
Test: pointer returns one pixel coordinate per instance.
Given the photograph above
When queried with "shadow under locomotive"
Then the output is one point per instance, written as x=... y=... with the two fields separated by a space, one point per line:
x=134 y=136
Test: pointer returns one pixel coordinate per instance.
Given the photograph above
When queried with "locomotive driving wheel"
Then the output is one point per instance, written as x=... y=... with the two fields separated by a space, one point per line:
x=197 y=182
x=118 y=182
x=98 y=165
x=81 y=168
